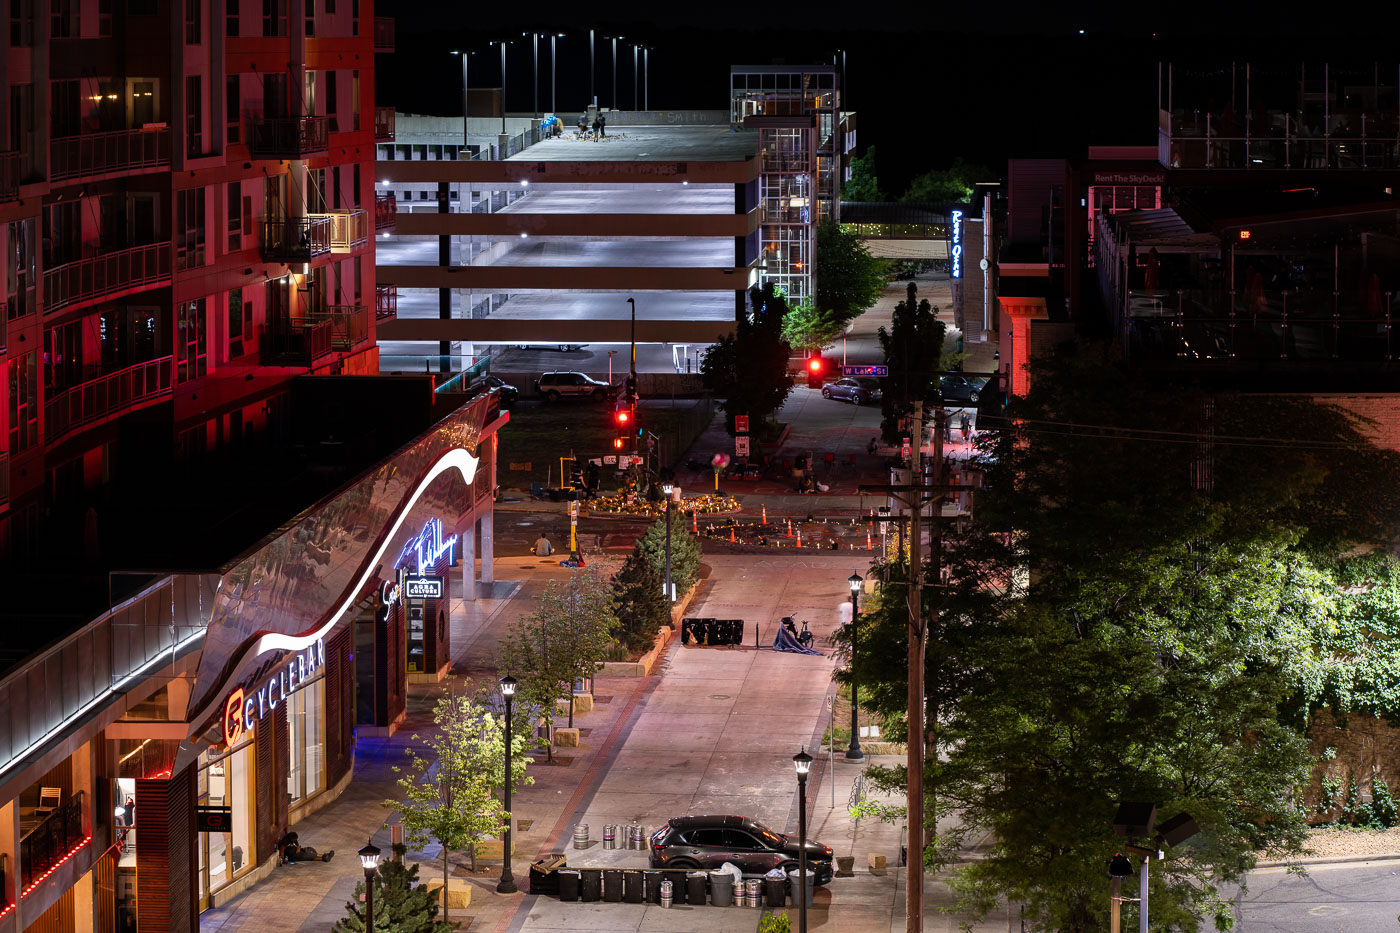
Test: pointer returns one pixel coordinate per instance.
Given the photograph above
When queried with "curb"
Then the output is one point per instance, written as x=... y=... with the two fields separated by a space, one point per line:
x=1333 y=860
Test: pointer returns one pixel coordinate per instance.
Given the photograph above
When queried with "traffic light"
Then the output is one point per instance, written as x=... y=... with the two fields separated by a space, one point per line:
x=619 y=443
x=623 y=415
x=815 y=367
x=631 y=387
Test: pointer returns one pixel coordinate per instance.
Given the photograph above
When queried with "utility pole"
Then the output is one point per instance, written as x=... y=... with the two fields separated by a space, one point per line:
x=914 y=741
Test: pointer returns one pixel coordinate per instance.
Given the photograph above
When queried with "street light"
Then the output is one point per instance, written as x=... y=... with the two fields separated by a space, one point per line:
x=614 y=53
x=853 y=752
x=553 y=70
x=667 y=489
x=803 y=763
x=635 y=47
x=466 y=104
x=507 y=883
x=535 y=42
x=369 y=858
x=502 y=43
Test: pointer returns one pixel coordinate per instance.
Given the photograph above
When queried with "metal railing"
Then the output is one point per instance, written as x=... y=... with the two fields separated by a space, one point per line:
x=296 y=238
x=100 y=153
x=349 y=228
x=97 y=398
x=297 y=342
x=384 y=34
x=52 y=840
x=386 y=211
x=288 y=137
x=386 y=301
x=11 y=166
x=522 y=141
x=384 y=122
x=104 y=274
x=1276 y=139
x=349 y=325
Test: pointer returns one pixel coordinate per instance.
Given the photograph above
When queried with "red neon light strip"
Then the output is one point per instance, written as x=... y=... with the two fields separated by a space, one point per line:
x=42 y=878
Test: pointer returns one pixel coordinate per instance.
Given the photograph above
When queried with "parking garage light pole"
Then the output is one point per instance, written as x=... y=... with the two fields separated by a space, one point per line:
x=592 y=91
x=613 y=102
x=502 y=44
x=554 y=72
x=466 y=97
x=646 y=77
x=803 y=763
x=635 y=47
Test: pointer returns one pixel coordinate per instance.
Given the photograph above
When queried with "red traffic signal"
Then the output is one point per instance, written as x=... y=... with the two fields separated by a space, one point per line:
x=814 y=365
x=623 y=415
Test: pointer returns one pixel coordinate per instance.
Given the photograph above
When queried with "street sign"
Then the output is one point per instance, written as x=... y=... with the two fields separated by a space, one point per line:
x=213 y=819
x=876 y=371
x=573 y=509
x=741 y=424
x=424 y=587
x=906 y=450
x=741 y=445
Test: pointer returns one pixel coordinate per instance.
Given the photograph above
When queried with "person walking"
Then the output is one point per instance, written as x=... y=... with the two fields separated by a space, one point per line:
x=965 y=423
x=601 y=126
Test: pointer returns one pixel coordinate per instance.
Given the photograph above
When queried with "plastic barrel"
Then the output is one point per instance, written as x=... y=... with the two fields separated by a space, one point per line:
x=612 y=885
x=568 y=885
x=633 y=889
x=774 y=889
x=591 y=884
x=695 y=888
x=722 y=889
x=581 y=836
x=794 y=885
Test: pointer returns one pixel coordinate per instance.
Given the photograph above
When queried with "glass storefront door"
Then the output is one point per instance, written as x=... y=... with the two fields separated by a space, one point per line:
x=306 y=727
x=227 y=779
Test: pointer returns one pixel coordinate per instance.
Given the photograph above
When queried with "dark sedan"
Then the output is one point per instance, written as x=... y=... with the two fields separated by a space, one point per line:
x=710 y=841
x=857 y=391
x=509 y=393
x=961 y=388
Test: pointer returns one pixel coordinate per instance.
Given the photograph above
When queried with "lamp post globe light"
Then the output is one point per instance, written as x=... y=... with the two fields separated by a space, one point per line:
x=802 y=762
x=507 y=882
x=853 y=752
x=369 y=860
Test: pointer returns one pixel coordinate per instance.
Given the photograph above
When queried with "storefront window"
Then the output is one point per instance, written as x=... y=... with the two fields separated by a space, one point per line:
x=306 y=726
x=226 y=780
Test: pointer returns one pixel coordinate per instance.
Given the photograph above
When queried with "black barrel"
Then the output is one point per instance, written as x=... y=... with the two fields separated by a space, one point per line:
x=695 y=888
x=774 y=889
x=568 y=885
x=678 y=884
x=653 y=882
x=633 y=890
x=591 y=884
x=612 y=885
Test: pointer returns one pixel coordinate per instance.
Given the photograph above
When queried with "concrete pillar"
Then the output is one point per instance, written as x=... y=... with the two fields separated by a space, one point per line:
x=469 y=562
x=82 y=905
x=486 y=522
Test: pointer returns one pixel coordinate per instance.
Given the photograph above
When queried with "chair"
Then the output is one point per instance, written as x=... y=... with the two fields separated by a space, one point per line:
x=49 y=799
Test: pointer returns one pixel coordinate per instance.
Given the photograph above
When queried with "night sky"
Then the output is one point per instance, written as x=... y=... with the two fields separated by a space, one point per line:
x=983 y=81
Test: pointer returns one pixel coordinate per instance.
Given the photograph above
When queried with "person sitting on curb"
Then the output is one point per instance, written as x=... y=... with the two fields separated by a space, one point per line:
x=293 y=851
x=543 y=547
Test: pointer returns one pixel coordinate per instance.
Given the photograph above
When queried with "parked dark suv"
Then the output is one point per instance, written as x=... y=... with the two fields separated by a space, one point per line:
x=710 y=841
x=554 y=386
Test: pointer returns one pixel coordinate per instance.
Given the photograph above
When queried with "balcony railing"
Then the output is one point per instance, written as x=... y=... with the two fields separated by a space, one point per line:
x=1272 y=139
x=383 y=122
x=95 y=399
x=288 y=137
x=349 y=228
x=349 y=325
x=296 y=239
x=298 y=342
x=100 y=153
x=386 y=302
x=386 y=211
x=384 y=34
x=106 y=274
x=10 y=168
x=52 y=840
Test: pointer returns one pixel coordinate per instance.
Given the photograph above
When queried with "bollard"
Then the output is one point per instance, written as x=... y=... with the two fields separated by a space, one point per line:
x=666 y=892
x=581 y=836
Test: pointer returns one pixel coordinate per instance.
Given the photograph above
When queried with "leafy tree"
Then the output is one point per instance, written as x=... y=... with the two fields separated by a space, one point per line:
x=849 y=278
x=863 y=185
x=955 y=183
x=748 y=368
x=807 y=328
x=639 y=599
x=401 y=905
x=914 y=351
x=685 y=550
x=450 y=795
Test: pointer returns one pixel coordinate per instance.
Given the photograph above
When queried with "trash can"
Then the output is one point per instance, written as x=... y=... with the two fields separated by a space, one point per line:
x=678 y=885
x=568 y=885
x=544 y=873
x=695 y=888
x=633 y=890
x=612 y=885
x=591 y=885
x=653 y=882
x=721 y=889
x=775 y=892
x=795 y=882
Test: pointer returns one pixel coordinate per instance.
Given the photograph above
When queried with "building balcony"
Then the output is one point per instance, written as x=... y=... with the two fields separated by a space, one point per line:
x=106 y=395
x=124 y=270
x=10 y=167
x=386 y=211
x=296 y=239
x=288 y=137
x=384 y=123
x=298 y=342
x=384 y=34
x=50 y=842
x=349 y=325
x=349 y=229
x=386 y=302
x=102 y=153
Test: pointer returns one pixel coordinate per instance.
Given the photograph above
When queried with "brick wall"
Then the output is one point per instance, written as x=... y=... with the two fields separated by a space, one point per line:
x=1383 y=411
x=1366 y=747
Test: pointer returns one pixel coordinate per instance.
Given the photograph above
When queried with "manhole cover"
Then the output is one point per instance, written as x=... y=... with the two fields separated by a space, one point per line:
x=718 y=696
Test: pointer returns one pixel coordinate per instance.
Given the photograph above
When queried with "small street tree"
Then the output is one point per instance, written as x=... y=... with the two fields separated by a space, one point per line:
x=685 y=550
x=807 y=328
x=450 y=794
x=401 y=905
x=849 y=278
x=863 y=185
x=914 y=351
x=639 y=601
x=748 y=368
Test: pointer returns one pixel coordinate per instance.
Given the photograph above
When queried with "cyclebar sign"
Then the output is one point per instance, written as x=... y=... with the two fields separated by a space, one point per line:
x=955 y=249
x=243 y=708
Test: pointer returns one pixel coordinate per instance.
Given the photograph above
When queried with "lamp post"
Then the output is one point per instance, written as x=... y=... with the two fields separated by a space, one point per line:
x=667 y=489
x=535 y=59
x=369 y=859
x=553 y=71
x=502 y=44
x=613 y=102
x=853 y=752
x=466 y=98
x=592 y=91
x=646 y=77
x=635 y=47
x=803 y=763
x=507 y=883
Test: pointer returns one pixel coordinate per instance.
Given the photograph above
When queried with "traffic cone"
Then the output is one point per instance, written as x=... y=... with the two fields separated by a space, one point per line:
x=789 y=531
x=765 y=514
x=799 y=537
x=869 y=545
x=694 y=522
